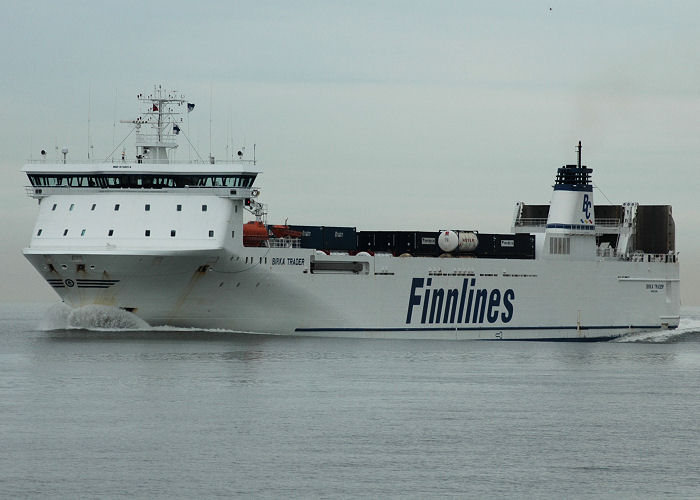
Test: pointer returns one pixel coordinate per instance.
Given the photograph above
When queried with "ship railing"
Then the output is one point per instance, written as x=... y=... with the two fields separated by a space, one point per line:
x=612 y=253
x=536 y=222
x=154 y=139
x=541 y=222
x=116 y=160
x=284 y=242
x=654 y=257
x=224 y=192
x=609 y=222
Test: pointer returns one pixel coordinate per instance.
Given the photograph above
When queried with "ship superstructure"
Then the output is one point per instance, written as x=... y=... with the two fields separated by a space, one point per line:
x=172 y=242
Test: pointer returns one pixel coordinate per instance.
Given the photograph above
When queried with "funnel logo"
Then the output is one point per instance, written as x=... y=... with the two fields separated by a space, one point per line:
x=586 y=209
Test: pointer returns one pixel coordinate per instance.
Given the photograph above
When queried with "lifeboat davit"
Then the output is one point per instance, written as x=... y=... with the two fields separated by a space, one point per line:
x=254 y=234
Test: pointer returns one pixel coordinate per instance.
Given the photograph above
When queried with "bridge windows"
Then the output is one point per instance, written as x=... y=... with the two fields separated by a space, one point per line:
x=38 y=233
x=110 y=232
x=204 y=208
x=211 y=233
x=143 y=181
x=147 y=233
x=172 y=233
x=179 y=208
x=147 y=207
x=116 y=207
x=93 y=207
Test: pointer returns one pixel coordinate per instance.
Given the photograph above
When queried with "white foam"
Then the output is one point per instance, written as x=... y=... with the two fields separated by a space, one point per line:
x=91 y=317
x=686 y=325
x=106 y=318
x=168 y=328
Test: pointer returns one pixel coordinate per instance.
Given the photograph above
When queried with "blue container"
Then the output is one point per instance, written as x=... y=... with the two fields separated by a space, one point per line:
x=311 y=236
x=339 y=238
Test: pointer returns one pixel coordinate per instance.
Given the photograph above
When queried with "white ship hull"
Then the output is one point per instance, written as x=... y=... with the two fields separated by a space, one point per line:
x=219 y=289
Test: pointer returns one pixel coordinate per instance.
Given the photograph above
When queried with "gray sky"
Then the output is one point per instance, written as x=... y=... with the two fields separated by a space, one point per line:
x=381 y=115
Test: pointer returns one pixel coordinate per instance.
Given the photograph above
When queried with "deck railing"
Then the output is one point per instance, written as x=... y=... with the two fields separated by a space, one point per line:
x=612 y=253
x=541 y=222
x=226 y=192
x=284 y=242
x=116 y=160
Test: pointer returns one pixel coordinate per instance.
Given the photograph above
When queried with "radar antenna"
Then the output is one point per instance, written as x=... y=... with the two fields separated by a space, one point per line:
x=160 y=111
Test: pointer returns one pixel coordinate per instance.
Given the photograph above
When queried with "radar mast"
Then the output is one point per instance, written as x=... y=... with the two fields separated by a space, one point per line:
x=161 y=114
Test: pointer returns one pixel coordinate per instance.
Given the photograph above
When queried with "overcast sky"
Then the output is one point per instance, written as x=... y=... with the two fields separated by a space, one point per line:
x=375 y=114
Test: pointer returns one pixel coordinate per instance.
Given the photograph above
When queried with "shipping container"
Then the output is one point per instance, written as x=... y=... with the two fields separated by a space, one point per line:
x=506 y=246
x=404 y=242
x=339 y=238
x=311 y=236
x=375 y=241
x=427 y=243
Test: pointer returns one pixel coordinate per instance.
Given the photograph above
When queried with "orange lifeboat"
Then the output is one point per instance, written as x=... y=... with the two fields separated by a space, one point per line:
x=254 y=234
x=283 y=231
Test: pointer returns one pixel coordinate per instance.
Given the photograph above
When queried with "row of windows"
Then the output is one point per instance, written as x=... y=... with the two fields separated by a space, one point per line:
x=147 y=232
x=143 y=181
x=147 y=207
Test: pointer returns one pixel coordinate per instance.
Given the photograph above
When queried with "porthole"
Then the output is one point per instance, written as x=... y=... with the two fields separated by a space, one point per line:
x=211 y=234
x=148 y=232
x=172 y=232
x=204 y=208
x=54 y=207
x=116 y=207
x=147 y=207
x=179 y=208
x=65 y=232
x=93 y=206
x=72 y=206
x=38 y=233
x=82 y=233
x=111 y=232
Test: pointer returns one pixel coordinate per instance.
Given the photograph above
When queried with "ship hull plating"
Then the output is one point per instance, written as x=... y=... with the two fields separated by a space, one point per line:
x=306 y=293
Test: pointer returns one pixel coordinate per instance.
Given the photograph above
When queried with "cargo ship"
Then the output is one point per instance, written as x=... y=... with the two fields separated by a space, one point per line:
x=187 y=243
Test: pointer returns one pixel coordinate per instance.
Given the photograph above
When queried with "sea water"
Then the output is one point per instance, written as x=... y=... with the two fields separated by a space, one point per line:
x=96 y=404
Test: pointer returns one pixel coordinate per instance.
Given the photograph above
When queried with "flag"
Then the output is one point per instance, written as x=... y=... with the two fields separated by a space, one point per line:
x=190 y=107
x=155 y=108
x=176 y=129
